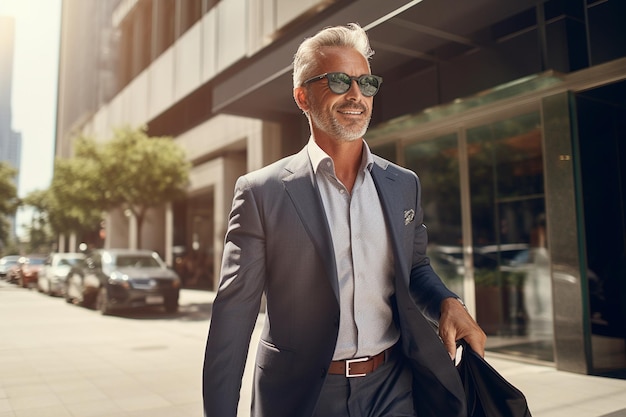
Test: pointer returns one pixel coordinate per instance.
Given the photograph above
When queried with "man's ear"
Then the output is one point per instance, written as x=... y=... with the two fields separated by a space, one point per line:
x=300 y=95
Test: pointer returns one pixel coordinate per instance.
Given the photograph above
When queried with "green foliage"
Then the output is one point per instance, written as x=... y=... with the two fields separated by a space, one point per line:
x=74 y=201
x=37 y=199
x=486 y=277
x=8 y=198
x=131 y=171
x=10 y=247
x=39 y=232
x=142 y=171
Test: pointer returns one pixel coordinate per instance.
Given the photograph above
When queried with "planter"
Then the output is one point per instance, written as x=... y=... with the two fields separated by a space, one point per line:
x=500 y=306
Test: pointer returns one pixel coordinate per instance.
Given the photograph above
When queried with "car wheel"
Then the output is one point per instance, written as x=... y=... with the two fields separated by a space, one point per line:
x=68 y=295
x=102 y=302
x=171 y=305
x=68 y=298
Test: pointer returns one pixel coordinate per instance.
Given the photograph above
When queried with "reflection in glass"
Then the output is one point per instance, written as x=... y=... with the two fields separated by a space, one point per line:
x=510 y=259
x=436 y=162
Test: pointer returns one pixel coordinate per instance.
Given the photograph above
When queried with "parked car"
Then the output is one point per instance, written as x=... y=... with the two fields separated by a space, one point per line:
x=28 y=270
x=122 y=278
x=13 y=273
x=54 y=272
x=505 y=257
x=6 y=263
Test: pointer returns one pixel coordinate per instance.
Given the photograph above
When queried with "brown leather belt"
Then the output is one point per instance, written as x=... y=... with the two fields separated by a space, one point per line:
x=357 y=367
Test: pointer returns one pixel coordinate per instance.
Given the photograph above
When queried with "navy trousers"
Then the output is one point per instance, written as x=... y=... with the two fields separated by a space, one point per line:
x=386 y=392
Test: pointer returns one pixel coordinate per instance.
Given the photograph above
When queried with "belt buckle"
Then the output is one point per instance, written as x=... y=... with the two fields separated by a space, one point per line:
x=350 y=362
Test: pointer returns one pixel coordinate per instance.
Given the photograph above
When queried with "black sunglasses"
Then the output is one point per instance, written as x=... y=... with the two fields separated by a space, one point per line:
x=340 y=82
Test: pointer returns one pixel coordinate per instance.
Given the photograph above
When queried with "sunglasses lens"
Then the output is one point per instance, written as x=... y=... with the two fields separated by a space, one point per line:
x=338 y=82
x=368 y=84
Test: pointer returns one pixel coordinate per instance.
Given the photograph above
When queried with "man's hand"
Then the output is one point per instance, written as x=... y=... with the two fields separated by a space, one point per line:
x=455 y=324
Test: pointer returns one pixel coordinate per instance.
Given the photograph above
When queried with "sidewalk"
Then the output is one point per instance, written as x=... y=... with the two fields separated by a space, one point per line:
x=58 y=360
x=553 y=393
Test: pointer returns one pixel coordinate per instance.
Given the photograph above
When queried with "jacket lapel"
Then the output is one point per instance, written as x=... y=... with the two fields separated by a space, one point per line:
x=300 y=185
x=390 y=194
x=449 y=401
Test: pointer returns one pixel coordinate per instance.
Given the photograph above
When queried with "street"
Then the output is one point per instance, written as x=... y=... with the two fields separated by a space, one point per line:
x=61 y=360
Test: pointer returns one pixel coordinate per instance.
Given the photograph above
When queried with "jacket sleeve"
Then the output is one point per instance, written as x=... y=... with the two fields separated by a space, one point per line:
x=427 y=289
x=236 y=305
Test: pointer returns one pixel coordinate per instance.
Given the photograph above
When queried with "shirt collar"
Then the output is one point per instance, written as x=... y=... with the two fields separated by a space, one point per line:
x=317 y=156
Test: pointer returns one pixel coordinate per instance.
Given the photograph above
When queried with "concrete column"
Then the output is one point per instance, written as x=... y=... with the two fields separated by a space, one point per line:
x=132 y=229
x=263 y=146
x=107 y=227
x=572 y=340
x=72 y=242
x=61 y=243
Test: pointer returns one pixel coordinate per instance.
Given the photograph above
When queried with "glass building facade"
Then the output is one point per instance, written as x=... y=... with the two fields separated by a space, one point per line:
x=511 y=113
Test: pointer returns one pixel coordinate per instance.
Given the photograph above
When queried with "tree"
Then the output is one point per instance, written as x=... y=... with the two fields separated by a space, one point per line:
x=8 y=198
x=40 y=238
x=141 y=172
x=75 y=200
x=132 y=171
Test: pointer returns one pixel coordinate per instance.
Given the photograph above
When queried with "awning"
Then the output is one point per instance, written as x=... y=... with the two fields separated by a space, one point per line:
x=406 y=36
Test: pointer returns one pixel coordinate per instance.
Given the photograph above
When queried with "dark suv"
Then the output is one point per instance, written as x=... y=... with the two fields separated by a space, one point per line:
x=111 y=279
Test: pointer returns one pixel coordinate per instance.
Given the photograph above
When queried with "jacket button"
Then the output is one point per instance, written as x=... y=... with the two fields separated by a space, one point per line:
x=323 y=372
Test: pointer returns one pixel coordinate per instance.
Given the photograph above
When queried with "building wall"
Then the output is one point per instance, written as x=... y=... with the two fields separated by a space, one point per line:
x=7 y=47
x=171 y=86
x=86 y=67
x=228 y=147
x=119 y=67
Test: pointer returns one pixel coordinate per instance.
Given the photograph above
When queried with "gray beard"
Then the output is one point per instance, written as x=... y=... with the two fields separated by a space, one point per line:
x=333 y=128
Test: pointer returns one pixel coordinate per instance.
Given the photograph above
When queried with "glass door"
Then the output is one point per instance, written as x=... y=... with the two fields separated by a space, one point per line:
x=510 y=249
x=484 y=206
x=436 y=162
x=601 y=123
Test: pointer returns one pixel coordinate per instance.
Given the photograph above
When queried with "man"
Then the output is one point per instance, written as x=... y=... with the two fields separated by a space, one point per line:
x=334 y=237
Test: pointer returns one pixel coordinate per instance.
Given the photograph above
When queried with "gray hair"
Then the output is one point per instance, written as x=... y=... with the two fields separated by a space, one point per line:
x=349 y=36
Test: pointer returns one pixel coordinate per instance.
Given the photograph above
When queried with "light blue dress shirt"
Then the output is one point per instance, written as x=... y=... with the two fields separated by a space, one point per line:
x=363 y=254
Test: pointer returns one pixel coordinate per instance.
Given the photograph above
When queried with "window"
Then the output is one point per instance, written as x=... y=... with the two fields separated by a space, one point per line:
x=190 y=13
x=165 y=11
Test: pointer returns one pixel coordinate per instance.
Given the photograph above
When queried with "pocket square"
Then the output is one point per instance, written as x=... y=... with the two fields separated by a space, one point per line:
x=409 y=216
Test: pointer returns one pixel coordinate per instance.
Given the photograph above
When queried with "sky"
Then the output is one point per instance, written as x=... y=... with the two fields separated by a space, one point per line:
x=35 y=70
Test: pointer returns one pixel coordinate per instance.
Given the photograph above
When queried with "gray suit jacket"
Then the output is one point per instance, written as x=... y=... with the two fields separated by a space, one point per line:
x=278 y=242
